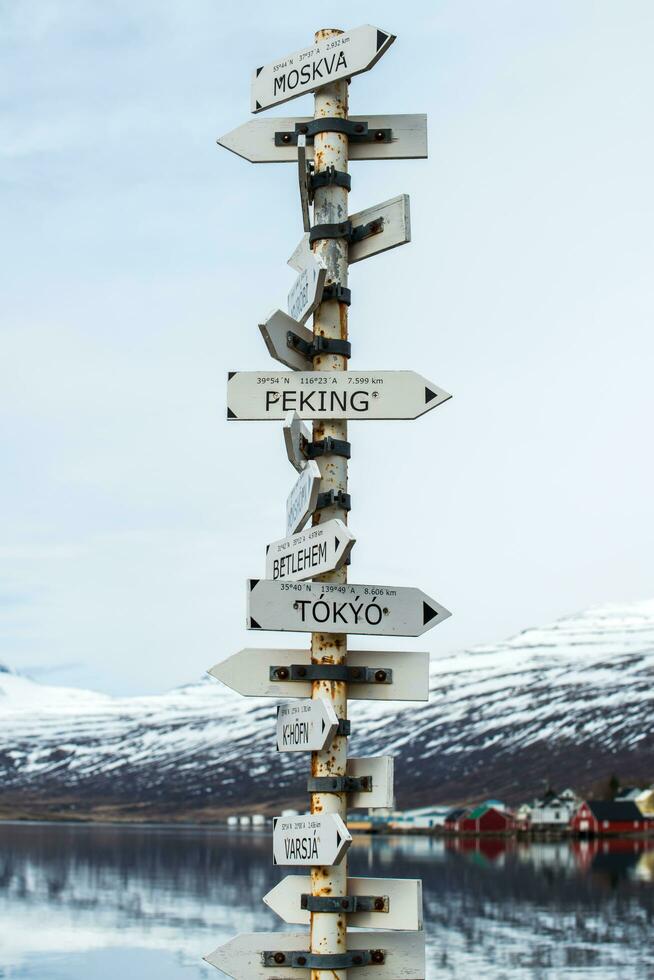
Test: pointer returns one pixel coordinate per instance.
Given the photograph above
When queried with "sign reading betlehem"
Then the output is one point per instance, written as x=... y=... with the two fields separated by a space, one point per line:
x=315 y=551
x=336 y=607
x=340 y=56
x=321 y=395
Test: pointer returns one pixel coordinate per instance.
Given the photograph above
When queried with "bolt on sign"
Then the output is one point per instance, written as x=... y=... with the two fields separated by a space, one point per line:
x=305 y=588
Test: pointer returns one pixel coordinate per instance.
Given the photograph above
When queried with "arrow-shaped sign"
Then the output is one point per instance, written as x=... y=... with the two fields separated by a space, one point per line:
x=308 y=553
x=341 y=56
x=401 y=901
x=315 y=838
x=296 y=439
x=307 y=289
x=248 y=672
x=330 y=607
x=278 y=332
x=392 y=224
x=254 y=395
x=301 y=501
x=242 y=957
x=255 y=140
x=305 y=726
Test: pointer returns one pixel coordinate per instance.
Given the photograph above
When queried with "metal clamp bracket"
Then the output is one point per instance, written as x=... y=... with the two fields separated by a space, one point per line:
x=342 y=294
x=332 y=672
x=330 y=177
x=339 y=784
x=344 y=229
x=323 y=961
x=355 y=130
x=320 y=345
x=328 y=447
x=345 y=903
x=334 y=498
x=344 y=727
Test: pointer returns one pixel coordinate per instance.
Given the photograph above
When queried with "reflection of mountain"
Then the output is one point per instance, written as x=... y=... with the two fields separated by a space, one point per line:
x=571 y=702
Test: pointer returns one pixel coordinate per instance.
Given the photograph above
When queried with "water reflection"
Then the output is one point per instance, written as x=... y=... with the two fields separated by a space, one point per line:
x=90 y=901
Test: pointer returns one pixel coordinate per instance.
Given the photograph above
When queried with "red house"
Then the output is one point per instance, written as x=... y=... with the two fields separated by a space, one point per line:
x=599 y=817
x=486 y=820
x=452 y=817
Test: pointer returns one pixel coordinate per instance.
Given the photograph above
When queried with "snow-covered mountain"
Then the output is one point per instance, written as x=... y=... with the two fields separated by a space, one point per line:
x=572 y=702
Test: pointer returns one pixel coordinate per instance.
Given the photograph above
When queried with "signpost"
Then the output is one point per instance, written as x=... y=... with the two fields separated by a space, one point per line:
x=306 y=586
x=308 y=726
x=396 y=902
x=338 y=57
x=275 y=140
x=385 y=675
x=301 y=501
x=314 y=551
x=311 y=839
x=307 y=607
x=350 y=395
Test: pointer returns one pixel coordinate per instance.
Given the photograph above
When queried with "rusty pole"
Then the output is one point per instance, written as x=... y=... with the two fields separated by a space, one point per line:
x=328 y=930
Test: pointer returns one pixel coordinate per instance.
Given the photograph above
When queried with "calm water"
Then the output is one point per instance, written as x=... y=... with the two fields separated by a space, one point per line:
x=93 y=903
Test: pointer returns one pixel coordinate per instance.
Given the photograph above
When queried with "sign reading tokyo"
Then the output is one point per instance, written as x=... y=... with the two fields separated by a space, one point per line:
x=340 y=56
x=310 y=839
x=332 y=607
x=320 y=395
x=319 y=549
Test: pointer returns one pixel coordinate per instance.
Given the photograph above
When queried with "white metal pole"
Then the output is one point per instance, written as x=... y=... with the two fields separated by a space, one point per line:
x=328 y=930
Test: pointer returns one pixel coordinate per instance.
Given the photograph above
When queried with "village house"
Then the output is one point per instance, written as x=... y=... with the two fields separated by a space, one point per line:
x=552 y=810
x=486 y=819
x=604 y=817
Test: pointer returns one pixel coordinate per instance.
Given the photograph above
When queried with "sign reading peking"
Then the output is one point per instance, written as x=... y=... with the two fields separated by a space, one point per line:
x=340 y=56
x=308 y=726
x=314 y=551
x=335 y=607
x=254 y=395
x=310 y=839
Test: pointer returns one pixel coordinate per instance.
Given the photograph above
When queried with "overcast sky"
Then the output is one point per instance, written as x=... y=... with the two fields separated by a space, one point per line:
x=138 y=257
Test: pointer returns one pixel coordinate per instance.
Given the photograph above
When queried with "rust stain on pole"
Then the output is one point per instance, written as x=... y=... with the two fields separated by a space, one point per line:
x=329 y=932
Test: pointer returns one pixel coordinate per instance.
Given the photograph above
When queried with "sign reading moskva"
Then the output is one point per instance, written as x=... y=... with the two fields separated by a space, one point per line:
x=340 y=56
x=338 y=607
x=320 y=395
x=317 y=550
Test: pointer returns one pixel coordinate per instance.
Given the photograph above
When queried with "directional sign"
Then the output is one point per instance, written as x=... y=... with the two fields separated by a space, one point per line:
x=275 y=331
x=241 y=957
x=308 y=726
x=333 y=607
x=308 y=553
x=315 y=838
x=255 y=140
x=340 y=56
x=366 y=395
x=403 y=908
x=380 y=769
x=393 y=221
x=307 y=289
x=248 y=673
x=304 y=169
x=296 y=438
x=301 y=501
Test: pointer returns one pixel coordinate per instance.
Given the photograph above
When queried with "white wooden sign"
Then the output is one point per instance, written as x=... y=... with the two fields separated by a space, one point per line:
x=334 y=607
x=340 y=56
x=303 y=173
x=275 y=332
x=241 y=957
x=301 y=501
x=381 y=770
x=403 y=906
x=248 y=673
x=305 y=726
x=255 y=140
x=306 y=292
x=394 y=222
x=375 y=395
x=296 y=437
x=308 y=553
x=315 y=838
